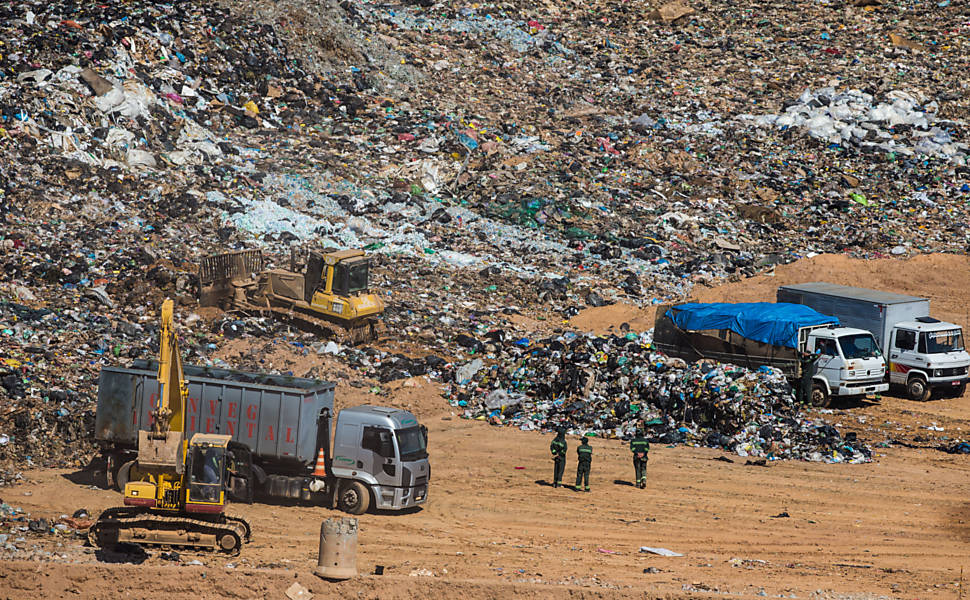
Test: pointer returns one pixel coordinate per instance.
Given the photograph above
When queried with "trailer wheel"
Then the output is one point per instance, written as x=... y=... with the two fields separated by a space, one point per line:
x=124 y=475
x=820 y=397
x=354 y=498
x=917 y=389
x=112 y=463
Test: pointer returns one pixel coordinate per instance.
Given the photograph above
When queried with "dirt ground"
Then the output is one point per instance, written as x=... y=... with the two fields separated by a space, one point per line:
x=897 y=527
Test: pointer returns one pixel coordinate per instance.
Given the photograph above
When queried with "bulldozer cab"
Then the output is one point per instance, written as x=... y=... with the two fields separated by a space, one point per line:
x=350 y=276
x=206 y=468
x=344 y=272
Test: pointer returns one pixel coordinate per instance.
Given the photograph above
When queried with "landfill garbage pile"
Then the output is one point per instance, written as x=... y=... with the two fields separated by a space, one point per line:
x=611 y=386
x=502 y=162
x=20 y=532
x=853 y=117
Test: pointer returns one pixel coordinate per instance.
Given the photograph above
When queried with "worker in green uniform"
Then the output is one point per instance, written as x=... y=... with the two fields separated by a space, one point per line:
x=806 y=365
x=640 y=447
x=558 y=449
x=585 y=454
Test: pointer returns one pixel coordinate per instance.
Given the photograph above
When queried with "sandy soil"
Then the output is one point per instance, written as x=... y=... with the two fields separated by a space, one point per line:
x=943 y=278
x=897 y=527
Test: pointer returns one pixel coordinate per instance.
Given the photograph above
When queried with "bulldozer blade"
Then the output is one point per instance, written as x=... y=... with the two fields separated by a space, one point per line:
x=217 y=272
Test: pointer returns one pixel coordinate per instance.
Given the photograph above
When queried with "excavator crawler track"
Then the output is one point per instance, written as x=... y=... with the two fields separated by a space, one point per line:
x=226 y=534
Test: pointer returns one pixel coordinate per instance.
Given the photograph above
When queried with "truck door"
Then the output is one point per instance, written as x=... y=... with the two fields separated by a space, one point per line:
x=380 y=455
x=829 y=362
x=902 y=355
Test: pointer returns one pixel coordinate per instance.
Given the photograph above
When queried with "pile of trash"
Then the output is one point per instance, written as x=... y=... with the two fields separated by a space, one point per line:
x=503 y=164
x=22 y=535
x=612 y=386
x=902 y=124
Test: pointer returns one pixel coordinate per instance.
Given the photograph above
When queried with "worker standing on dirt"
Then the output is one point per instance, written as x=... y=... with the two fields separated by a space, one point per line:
x=806 y=365
x=640 y=447
x=585 y=460
x=558 y=449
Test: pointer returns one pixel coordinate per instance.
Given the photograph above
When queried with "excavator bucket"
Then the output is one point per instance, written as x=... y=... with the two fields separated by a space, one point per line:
x=217 y=272
x=160 y=452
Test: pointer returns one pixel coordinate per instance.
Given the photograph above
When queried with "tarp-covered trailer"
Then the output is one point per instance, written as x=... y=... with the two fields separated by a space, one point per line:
x=749 y=335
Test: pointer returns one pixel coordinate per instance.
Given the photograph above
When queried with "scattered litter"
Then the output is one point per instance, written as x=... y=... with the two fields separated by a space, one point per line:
x=298 y=592
x=658 y=551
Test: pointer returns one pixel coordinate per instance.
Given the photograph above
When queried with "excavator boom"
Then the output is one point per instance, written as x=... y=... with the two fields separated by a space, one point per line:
x=169 y=414
x=160 y=451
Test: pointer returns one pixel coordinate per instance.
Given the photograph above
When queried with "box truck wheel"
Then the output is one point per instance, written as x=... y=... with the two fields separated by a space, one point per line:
x=917 y=389
x=354 y=498
x=820 y=397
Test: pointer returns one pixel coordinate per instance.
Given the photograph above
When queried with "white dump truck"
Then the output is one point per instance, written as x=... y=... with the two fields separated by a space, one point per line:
x=923 y=354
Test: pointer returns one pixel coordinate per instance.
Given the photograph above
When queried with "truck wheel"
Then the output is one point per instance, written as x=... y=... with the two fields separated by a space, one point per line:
x=111 y=465
x=820 y=397
x=960 y=390
x=354 y=498
x=124 y=475
x=917 y=389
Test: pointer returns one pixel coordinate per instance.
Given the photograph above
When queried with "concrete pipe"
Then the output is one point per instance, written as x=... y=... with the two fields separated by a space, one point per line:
x=338 y=549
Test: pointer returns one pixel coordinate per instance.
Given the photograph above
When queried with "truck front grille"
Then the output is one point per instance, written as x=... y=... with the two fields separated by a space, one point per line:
x=952 y=371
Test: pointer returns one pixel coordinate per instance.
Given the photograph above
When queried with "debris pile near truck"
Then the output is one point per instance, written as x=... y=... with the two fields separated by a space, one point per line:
x=610 y=385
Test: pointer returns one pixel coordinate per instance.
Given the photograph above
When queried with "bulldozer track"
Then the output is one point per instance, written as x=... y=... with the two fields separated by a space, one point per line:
x=367 y=330
x=104 y=532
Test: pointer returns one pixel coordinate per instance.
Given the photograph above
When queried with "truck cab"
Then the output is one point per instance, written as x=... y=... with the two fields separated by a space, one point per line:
x=850 y=362
x=927 y=354
x=385 y=449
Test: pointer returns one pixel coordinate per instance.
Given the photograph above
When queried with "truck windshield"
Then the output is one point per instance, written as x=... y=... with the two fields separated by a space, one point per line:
x=938 y=342
x=859 y=345
x=358 y=277
x=412 y=444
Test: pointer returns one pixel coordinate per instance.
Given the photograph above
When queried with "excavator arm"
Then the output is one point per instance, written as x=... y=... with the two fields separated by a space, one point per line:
x=173 y=392
x=161 y=449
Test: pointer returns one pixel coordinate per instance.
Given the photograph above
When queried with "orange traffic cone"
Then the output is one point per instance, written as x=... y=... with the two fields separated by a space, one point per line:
x=320 y=470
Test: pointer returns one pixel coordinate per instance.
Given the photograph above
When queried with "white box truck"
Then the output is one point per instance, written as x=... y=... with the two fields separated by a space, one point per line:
x=923 y=354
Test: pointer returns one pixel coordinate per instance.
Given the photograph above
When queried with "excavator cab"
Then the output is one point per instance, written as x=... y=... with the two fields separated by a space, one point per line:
x=206 y=468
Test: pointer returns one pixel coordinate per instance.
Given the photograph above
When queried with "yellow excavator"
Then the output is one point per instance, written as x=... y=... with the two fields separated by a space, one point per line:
x=176 y=492
x=330 y=294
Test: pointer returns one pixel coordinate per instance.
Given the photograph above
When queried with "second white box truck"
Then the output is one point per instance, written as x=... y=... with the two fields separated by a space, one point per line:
x=923 y=354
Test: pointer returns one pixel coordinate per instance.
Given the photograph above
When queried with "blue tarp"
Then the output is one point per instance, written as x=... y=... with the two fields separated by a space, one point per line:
x=775 y=324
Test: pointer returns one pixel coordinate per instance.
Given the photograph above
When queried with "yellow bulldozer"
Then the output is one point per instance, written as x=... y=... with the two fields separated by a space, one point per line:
x=330 y=294
x=176 y=491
